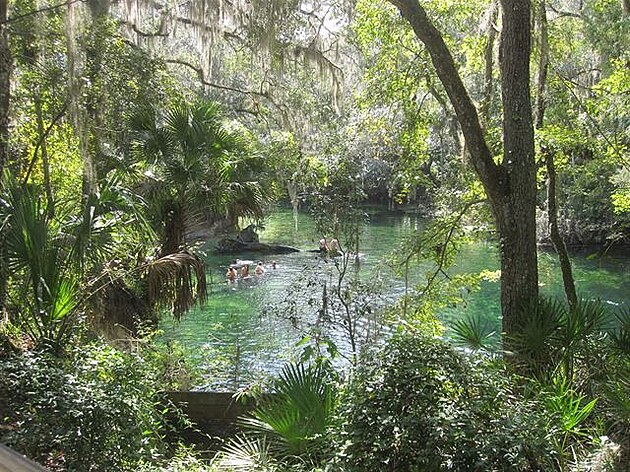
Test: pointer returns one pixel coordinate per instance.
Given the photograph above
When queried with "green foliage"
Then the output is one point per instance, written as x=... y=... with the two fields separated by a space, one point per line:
x=53 y=260
x=420 y=405
x=296 y=412
x=184 y=460
x=287 y=430
x=432 y=249
x=195 y=163
x=577 y=360
x=474 y=332
x=289 y=167
x=244 y=454
x=569 y=410
x=554 y=338
x=97 y=409
x=38 y=260
x=606 y=26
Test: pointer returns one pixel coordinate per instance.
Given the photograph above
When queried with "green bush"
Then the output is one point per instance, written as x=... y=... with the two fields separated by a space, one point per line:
x=96 y=409
x=420 y=405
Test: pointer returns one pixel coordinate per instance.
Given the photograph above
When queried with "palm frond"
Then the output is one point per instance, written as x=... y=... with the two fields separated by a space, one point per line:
x=474 y=332
x=243 y=454
x=536 y=338
x=177 y=281
x=297 y=412
x=586 y=319
x=33 y=251
x=620 y=332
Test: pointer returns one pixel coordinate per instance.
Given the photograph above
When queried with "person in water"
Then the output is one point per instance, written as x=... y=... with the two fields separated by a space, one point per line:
x=323 y=245
x=274 y=265
x=245 y=271
x=334 y=248
x=260 y=270
x=231 y=274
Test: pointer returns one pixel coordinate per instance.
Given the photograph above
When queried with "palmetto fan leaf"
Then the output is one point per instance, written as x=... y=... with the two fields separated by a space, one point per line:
x=247 y=199
x=243 y=454
x=538 y=334
x=473 y=332
x=620 y=332
x=40 y=263
x=26 y=230
x=298 y=411
x=587 y=318
x=148 y=140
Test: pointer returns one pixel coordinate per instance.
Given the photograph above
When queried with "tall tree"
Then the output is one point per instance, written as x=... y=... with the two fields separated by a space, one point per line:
x=510 y=184
x=5 y=82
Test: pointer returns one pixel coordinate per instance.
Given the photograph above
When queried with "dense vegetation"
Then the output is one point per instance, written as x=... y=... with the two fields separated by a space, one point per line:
x=131 y=130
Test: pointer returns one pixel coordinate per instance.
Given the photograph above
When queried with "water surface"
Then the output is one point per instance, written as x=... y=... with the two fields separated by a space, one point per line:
x=237 y=339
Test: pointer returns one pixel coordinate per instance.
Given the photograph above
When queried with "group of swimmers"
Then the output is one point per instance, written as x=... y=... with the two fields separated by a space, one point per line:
x=232 y=273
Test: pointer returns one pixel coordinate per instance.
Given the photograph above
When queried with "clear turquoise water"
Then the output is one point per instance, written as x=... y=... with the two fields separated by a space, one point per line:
x=236 y=339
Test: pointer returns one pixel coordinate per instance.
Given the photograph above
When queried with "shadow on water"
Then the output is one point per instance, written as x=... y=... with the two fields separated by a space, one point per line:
x=236 y=340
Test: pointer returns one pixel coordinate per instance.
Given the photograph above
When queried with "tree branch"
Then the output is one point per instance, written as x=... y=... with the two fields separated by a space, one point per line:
x=40 y=10
x=491 y=175
x=202 y=79
x=562 y=14
x=41 y=140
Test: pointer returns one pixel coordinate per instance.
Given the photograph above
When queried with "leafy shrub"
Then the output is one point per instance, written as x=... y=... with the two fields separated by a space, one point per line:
x=97 y=409
x=421 y=405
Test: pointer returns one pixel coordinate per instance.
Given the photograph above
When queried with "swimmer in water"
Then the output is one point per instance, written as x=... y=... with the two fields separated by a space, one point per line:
x=231 y=274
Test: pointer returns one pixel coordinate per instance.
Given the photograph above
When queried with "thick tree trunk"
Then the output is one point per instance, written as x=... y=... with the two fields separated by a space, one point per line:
x=5 y=84
x=511 y=186
x=517 y=220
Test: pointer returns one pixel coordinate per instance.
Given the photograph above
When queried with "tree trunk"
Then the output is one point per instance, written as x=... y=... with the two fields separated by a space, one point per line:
x=50 y=207
x=552 y=209
x=99 y=11
x=488 y=54
x=517 y=225
x=543 y=65
x=39 y=58
x=77 y=112
x=556 y=238
x=293 y=196
x=5 y=84
x=5 y=90
x=510 y=186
